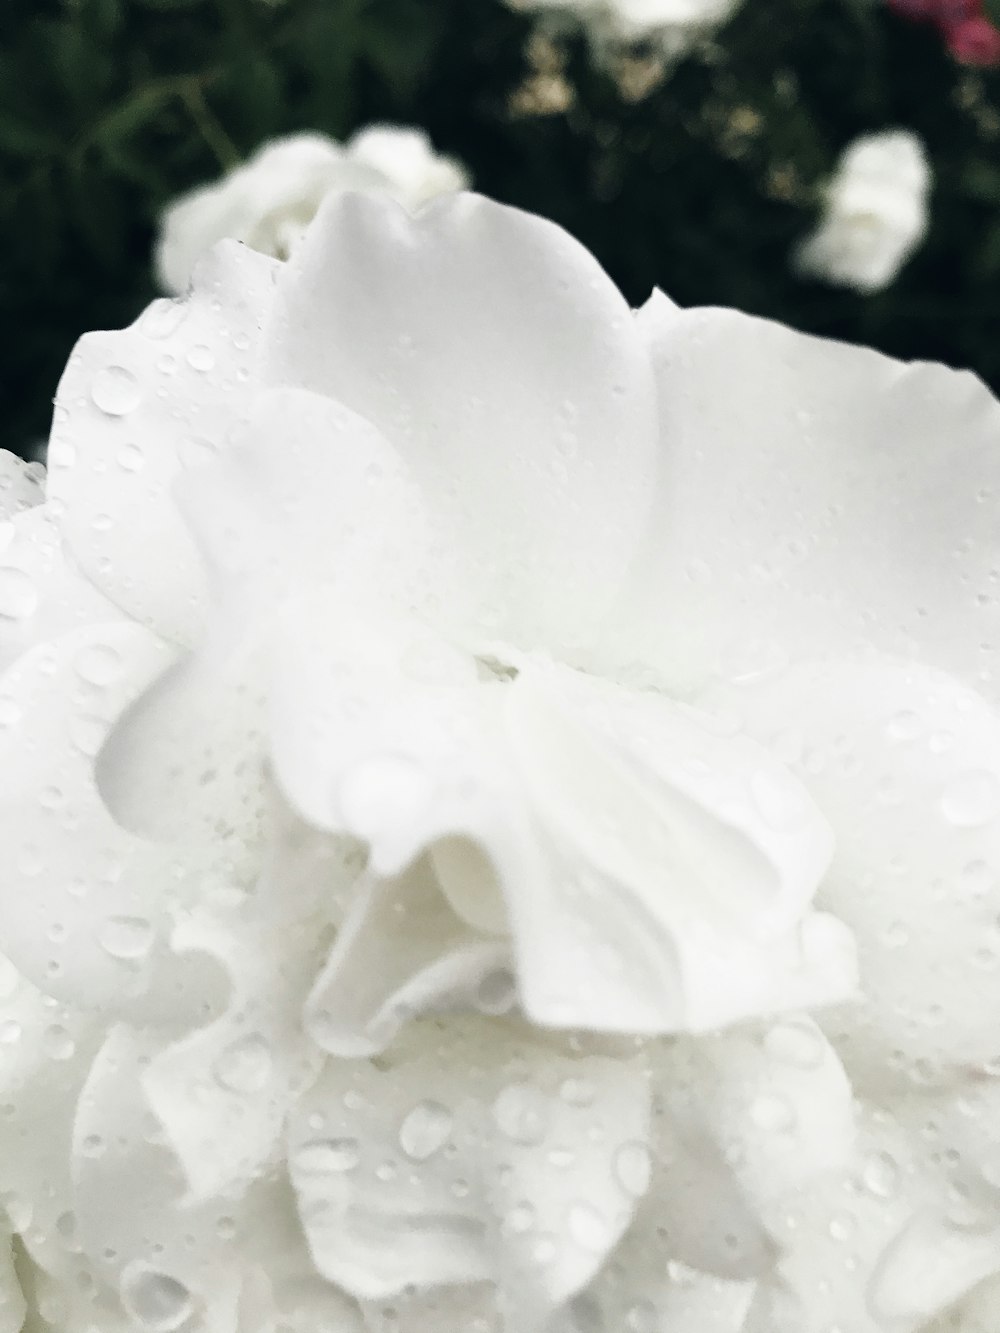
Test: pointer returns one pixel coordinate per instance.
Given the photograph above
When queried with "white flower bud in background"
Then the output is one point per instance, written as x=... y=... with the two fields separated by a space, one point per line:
x=672 y=24
x=875 y=213
x=269 y=201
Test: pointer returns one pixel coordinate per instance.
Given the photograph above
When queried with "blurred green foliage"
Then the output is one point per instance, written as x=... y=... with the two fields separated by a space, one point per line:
x=110 y=108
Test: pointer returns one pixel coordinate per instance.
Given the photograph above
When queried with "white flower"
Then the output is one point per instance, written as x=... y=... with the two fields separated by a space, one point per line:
x=875 y=213
x=674 y=25
x=270 y=200
x=501 y=811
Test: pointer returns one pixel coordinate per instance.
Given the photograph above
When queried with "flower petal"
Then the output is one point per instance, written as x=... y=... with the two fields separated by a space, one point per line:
x=43 y=592
x=222 y=1092
x=118 y=441
x=401 y=320
x=84 y=904
x=676 y=863
x=401 y=951
x=506 y=1175
x=830 y=498
x=905 y=763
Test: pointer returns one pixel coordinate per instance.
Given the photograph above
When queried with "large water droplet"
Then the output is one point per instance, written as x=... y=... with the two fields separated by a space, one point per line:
x=772 y=1113
x=99 y=664
x=126 y=937
x=57 y=1043
x=633 y=1167
x=795 y=1043
x=116 y=391
x=327 y=1156
x=972 y=800
x=880 y=1175
x=156 y=1300
x=522 y=1114
x=163 y=318
x=18 y=594
x=425 y=1130
x=244 y=1066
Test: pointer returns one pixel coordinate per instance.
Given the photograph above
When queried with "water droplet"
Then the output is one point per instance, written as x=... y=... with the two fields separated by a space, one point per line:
x=195 y=451
x=496 y=993
x=904 y=726
x=126 y=937
x=93 y=1146
x=587 y=1226
x=327 y=1156
x=155 y=1299
x=521 y=1219
x=578 y=1092
x=522 y=1114
x=57 y=1043
x=772 y=1113
x=842 y=1226
x=99 y=664
x=795 y=1043
x=116 y=391
x=880 y=1175
x=18 y=594
x=425 y=1130
x=633 y=1166
x=642 y=1318
x=162 y=318
x=200 y=358
x=131 y=458
x=10 y=1032
x=972 y=800
x=87 y=733
x=245 y=1066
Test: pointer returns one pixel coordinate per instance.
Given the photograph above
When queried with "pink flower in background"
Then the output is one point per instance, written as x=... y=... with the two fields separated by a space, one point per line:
x=974 y=41
x=970 y=36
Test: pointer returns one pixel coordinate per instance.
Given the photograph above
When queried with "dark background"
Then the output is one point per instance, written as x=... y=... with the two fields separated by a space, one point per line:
x=110 y=108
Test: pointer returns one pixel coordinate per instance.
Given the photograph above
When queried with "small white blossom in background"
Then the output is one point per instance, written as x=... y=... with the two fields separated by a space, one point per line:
x=672 y=25
x=269 y=200
x=875 y=213
x=500 y=808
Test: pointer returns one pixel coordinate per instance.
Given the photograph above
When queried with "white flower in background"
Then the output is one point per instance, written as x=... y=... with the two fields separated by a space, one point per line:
x=674 y=25
x=501 y=811
x=875 y=213
x=270 y=200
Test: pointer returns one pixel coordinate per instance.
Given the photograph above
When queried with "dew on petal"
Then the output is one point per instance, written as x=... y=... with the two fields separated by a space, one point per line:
x=126 y=937
x=131 y=458
x=795 y=1043
x=633 y=1167
x=972 y=801
x=771 y=1113
x=327 y=1156
x=116 y=391
x=201 y=358
x=99 y=664
x=162 y=318
x=425 y=1130
x=157 y=1300
x=880 y=1175
x=244 y=1066
x=522 y=1114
